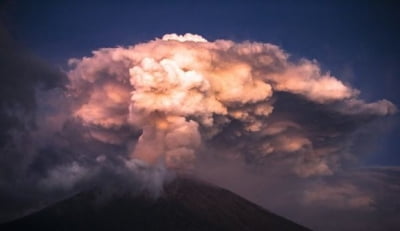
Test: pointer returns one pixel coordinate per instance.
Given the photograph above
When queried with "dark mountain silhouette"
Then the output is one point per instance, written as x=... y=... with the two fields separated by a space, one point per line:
x=186 y=204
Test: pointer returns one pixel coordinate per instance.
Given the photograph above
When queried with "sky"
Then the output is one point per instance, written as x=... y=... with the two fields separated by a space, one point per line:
x=354 y=41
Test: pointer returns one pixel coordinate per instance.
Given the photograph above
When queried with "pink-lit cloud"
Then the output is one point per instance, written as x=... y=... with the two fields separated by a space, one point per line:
x=181 y=91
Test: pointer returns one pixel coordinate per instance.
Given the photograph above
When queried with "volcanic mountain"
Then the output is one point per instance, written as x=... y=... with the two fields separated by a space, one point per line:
x=185 y=204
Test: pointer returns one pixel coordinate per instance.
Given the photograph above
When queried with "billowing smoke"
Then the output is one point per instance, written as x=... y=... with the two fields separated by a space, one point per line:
x=246 y=116
x=186 y=96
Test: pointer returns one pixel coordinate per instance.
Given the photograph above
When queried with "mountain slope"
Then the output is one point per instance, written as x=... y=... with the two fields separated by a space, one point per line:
x=186 y=204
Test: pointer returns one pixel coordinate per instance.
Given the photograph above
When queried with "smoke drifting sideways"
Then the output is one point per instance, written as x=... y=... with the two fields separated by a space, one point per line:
x=140 y=114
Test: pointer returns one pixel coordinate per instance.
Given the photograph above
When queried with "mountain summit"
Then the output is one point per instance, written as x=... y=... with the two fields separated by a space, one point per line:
x=185 y=204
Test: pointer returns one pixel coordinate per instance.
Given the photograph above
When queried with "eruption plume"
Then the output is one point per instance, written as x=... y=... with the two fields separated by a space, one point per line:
x=185 y=94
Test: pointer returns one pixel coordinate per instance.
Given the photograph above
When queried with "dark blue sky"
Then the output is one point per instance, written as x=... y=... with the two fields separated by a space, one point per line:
x=357 y=41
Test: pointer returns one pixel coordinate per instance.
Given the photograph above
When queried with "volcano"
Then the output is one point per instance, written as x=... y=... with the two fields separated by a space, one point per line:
x=186 y=204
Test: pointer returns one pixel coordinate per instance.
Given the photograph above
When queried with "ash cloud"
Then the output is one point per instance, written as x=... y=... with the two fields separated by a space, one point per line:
x=185 y=93
x=352 y=199
x=179 y=103
x=22 y=77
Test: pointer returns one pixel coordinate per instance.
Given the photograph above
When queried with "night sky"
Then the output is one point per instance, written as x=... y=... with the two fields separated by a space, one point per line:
x=356 y=41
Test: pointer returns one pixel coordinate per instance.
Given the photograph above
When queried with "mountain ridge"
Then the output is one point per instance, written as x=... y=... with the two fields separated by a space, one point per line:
x=186 y=203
